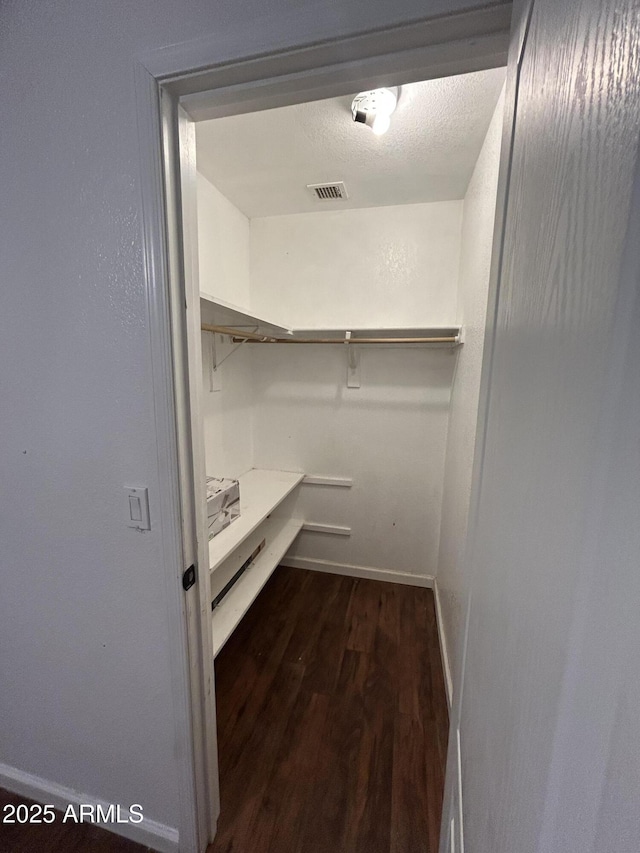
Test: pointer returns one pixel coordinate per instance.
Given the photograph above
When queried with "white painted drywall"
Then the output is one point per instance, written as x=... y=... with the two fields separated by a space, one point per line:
x=223 y=262
x=388 y=435
x=550 y=743
x=223 y=246
x=289 y=408
x=227 y=412
x=475 y=262
x=86 y=698
x=377 y=267
x=387 y=266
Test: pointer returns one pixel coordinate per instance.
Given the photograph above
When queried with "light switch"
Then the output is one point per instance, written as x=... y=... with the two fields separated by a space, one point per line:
x=135 y=510
x=138 y=508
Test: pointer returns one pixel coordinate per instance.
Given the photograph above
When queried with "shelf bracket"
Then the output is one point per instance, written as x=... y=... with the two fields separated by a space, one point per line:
x=215 y=382
x=353 y=363
x=215 y=376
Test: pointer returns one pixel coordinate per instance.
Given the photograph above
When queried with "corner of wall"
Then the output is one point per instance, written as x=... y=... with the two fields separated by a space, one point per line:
x=444 y=646
x=452 y=577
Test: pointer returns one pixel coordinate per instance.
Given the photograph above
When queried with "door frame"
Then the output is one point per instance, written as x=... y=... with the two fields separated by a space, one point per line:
x=202 y=79
x=452 y=812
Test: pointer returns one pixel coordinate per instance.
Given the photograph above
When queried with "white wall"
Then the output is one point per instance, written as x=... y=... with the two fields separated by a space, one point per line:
x=550 y=743
x=227 y=412
x=388 y=435
x=378 y=266
x=475 y=261
x=223 y=246
x=224 y=265
x=381 y=266
x=84 y=647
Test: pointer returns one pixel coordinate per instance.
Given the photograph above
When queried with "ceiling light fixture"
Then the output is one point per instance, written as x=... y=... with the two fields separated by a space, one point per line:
x=374 y=108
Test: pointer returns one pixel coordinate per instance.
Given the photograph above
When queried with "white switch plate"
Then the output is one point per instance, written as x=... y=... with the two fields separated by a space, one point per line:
x=138 y=508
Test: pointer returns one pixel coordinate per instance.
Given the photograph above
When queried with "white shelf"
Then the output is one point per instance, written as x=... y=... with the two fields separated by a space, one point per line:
x=384 y=333
x=217 y=312
x=279 y=535
x=261 y=491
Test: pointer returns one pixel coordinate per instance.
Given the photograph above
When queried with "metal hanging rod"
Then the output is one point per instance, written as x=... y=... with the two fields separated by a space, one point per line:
x=450 y=340
x=238 y=336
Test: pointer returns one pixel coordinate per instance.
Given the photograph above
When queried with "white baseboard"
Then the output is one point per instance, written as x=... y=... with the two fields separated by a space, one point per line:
x=358 y=571
x=150 y=833
x=444 y=652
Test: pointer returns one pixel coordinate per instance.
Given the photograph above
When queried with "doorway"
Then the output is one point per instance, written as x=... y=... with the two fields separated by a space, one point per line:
x=177 y=123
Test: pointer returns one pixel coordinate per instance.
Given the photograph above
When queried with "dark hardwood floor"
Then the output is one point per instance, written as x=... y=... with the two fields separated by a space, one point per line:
x=332 y=720
x=332 y=725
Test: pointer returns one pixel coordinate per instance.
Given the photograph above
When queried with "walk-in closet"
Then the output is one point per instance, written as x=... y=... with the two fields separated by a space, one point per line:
x=343 y=269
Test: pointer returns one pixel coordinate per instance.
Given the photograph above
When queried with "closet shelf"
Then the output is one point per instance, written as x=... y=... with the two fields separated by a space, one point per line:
x=224 y=318
x=261 y=491
x=279 y=534
x=218 y=313
x=444 y=336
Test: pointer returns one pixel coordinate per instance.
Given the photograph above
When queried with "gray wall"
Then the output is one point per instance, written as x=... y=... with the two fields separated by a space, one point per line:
x=550 y=733
x=84 y=658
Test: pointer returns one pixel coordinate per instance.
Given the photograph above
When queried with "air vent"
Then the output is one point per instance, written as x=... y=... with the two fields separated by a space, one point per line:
x=328 y=192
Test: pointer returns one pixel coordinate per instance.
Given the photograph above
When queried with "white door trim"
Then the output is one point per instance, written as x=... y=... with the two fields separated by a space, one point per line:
x=233 y=81
x=158 y=289
x=180 y=195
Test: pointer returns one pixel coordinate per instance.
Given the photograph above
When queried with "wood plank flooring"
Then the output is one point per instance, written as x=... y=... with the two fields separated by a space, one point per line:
x=332 y=720
x=332 y=727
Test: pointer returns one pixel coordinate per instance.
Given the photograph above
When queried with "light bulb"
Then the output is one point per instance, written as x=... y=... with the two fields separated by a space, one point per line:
x=374 y=107
x=385 y=100
x=381 y=124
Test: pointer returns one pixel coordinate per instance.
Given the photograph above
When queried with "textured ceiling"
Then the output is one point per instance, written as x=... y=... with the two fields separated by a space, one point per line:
x=263 y=161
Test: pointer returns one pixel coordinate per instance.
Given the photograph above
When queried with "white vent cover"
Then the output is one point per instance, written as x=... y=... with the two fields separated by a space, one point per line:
x=328 y=192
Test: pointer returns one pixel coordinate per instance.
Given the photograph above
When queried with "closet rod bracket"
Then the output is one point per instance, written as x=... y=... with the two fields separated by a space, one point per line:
x=217 y=364
x=353 y=367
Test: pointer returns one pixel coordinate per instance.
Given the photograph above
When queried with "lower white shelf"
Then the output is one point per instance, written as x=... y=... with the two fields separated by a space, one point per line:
x=279 y=535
